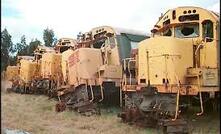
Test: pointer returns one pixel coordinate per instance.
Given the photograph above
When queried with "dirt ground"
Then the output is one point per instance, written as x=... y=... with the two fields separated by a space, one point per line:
x=36 y=114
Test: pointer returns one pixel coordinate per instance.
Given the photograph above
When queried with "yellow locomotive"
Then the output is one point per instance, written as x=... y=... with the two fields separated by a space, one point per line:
x=51 y=67
x=29 y=70
x=179 y=60
x=11 y=72
x=92 y=70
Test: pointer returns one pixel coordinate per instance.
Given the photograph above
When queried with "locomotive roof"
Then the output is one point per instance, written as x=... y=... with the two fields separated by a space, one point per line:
x=130 y=31
x=40 y=47
x=119 y=31
x=212 y=12
x=217 y=14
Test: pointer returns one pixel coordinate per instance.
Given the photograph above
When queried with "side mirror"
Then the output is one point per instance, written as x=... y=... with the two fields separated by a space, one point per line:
x=154 y=31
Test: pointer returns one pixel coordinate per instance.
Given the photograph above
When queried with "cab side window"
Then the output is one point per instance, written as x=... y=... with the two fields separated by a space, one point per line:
x=167 y=32
x=207 y=30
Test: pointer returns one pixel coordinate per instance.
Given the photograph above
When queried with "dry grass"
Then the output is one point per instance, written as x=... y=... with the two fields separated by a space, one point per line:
x=36 y=114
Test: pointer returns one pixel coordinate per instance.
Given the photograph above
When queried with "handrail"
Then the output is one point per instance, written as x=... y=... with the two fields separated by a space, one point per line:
x=92 y=93
x=101 y=87
x=198 y=79
x=201 y=100
x=131 y=60
x=121 y=102
x=177 y=98
x=125 y=65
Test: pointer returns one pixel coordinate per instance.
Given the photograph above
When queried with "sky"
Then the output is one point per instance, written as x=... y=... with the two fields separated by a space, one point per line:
x=69 y=17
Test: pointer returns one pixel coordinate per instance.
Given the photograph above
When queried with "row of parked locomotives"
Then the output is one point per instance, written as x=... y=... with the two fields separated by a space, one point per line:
x=80 y=73
x=175 y=68
x=154 y=79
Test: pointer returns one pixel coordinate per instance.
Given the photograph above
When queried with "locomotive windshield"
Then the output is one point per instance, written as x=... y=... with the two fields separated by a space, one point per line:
x=187 y=31
x=99 y=43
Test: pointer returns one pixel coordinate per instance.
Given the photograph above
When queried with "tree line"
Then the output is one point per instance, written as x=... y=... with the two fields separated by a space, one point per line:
x=10 y=50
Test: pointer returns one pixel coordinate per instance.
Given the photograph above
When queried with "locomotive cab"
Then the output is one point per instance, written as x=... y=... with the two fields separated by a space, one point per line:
x=183 y=45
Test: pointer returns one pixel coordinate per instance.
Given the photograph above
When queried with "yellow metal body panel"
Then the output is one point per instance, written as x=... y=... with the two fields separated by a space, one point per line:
x=28 y=70
x=166 y=59
x=12 y=72
x=111 y=71
x=51 y=65
x=83 y=66
x=114 y=57
x=64 y=64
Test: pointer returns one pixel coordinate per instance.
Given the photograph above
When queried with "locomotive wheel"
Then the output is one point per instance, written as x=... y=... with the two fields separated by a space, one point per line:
x=9 y=90
x=60 y=107
x=22 y=90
